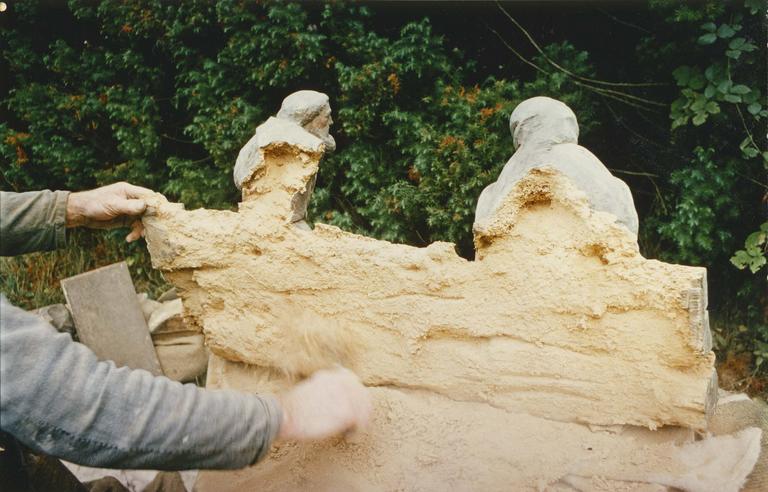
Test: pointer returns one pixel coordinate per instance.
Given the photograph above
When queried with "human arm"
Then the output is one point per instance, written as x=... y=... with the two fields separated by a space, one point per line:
x=57 y=398
x=32 y=221
x=37 y=220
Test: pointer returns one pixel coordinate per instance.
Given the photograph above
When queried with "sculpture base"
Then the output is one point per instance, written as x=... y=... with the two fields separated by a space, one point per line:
x=419 y=440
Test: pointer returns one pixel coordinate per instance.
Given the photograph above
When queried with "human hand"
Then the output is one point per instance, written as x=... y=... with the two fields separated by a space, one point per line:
x=115 y=205
x=328 y=403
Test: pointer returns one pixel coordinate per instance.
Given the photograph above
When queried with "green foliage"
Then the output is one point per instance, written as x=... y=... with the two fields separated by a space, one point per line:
x=705 y=89
x=717 y=121
x=720 y=115
x=421 y=150
x=89 y=114
x=705 y=202
x=754 y=252
x=164 y=94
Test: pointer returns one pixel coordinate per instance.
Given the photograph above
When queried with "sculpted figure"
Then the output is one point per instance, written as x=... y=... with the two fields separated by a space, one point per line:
x=545 y=134
x=309 y=110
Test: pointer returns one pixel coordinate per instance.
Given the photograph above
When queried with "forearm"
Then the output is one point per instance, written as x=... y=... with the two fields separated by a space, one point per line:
x=58 y=398
x=32 y=221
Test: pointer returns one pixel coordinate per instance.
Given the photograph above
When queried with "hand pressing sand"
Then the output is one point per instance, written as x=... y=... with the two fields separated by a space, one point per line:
x=330 y=402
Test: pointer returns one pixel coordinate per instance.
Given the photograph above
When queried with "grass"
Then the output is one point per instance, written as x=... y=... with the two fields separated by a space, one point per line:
x=32 y=280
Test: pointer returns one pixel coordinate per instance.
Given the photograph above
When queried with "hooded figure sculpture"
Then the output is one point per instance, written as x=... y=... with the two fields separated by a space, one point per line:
x=309 y=110
x=545 y=134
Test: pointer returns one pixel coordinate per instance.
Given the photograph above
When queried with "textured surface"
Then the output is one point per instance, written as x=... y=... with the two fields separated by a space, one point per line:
x=545 y=134
x=308 y=110
x=420 y=440
x=109 y=319
x=547 y=362
x=736 y=412
x=559 y=317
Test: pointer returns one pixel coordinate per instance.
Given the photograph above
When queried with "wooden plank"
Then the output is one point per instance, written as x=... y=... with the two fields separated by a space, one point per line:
x=108 y=318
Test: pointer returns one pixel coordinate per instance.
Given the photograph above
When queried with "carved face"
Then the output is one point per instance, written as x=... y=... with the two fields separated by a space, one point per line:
x=311 y=111
x=320 y=127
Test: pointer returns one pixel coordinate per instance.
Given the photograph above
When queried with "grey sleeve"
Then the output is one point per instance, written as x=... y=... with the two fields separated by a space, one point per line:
x=32 y=221
x=57 y=398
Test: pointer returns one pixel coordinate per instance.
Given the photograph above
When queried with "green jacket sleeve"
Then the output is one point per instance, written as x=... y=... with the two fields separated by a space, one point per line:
x=32 y=221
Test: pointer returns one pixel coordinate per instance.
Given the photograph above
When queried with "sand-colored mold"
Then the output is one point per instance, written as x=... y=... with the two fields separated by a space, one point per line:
x=419 y=440
x=559 y=317
x=559 y=322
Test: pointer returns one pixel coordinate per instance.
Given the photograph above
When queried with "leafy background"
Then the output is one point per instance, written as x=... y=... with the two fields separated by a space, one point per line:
x=164 y=94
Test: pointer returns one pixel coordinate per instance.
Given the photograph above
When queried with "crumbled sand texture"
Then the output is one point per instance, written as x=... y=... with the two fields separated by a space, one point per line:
x=484 y=373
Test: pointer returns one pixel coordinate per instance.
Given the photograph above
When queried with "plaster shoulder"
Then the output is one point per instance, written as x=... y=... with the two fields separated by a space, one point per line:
x=273 y=133
x=545 y=134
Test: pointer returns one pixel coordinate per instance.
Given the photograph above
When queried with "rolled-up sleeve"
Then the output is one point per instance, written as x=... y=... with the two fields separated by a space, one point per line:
x=32 y=221
x=57 y=398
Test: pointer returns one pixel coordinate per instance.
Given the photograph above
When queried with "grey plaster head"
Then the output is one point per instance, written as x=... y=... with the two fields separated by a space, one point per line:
x=312 y=111
x=543 y=120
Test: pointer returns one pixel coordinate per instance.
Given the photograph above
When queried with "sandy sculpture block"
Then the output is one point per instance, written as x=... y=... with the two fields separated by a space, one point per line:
x=421 y=440
x=558 y=319
x=559 y=316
